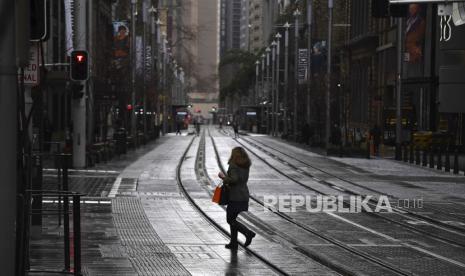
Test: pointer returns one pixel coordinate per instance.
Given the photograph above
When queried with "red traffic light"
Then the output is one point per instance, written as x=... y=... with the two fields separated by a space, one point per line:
x=79 y=66
x=129 y=107
x=80 y=58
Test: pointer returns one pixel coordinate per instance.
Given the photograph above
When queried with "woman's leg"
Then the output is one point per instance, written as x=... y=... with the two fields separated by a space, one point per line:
x=231 y=218
x=235 y=227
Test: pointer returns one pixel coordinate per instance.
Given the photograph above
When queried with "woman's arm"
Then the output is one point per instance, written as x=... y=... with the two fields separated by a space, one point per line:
x=232 y=178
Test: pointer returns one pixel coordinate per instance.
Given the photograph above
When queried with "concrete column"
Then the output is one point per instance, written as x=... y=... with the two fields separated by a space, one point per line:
x=8 y=143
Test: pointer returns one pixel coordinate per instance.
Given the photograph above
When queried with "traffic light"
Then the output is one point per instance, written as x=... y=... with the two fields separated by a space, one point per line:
x=78 y=90
x=79 y=66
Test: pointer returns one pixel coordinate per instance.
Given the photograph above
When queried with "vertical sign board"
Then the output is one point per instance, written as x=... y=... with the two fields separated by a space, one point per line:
x=31 y=72
x=303 y=65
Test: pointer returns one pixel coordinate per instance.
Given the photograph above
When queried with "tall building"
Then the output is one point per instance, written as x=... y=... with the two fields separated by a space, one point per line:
x=193 y=33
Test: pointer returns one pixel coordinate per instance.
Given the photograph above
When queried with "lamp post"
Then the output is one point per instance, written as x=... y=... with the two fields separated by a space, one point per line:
x=328 y=75
x=248 y=37
x=273 y=86
x=398 y=153
x=257 y=87
x=309 y=57
x=164 y=86
x=296 y=70
x=133 y=70
x=286 y=72
x=277 y=109
x=262 y=90
x=152 y=12
x=267 y=50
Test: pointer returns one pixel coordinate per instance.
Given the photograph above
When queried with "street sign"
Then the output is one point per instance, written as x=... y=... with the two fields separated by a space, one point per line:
x=31 y=72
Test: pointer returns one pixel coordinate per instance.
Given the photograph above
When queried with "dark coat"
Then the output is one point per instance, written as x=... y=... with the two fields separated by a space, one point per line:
x=236 y=180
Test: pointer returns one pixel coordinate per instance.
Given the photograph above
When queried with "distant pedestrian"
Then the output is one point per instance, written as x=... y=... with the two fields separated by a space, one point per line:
x=306 y=133
x=236 y=129
x=336 y=135
x=375 y=134
x=221 y=122
x=197 y=127
x=178 y=127
x=236 y=184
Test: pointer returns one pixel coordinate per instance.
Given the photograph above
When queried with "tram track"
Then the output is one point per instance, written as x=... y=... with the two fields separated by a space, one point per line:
x=211 y=220
x=307 y=164
x=420 y=249
x=352 y=250
x=459 y=236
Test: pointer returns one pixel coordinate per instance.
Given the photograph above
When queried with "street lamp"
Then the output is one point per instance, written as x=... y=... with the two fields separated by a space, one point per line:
x=286 y=69
x=262 y=90
x=328 y=75
x=278 y=49
x=257 y=67
x=133 y=71
x=296 y=69
x=309 y=57
x=248 y=37
x=273 y=86
x=267 y=51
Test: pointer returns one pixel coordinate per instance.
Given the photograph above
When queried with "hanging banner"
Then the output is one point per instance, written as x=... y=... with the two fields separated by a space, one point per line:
x=121 y=43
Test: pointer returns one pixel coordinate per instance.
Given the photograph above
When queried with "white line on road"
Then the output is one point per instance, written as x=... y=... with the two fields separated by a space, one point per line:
x=115 y=187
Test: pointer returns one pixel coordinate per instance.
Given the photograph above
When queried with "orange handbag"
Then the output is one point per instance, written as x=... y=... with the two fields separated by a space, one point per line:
x=217 y=194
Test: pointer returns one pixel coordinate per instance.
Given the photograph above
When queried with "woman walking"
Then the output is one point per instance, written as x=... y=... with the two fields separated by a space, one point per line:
x=236 y=183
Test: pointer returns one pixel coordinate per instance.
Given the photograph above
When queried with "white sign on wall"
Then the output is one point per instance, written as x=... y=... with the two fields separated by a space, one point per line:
x=31 y=72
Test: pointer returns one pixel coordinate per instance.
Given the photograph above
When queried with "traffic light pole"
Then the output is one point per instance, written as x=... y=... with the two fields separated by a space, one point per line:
x=79 y=104
x=8 y=142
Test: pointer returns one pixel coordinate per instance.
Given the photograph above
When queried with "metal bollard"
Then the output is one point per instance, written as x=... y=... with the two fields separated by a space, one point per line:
x=431 y=157
x=424 y=161
x=77 y=234
x=368 y=149
x=456 y=161
x=447 y=161
x=64 y=165
x=439 y=161
x=417 y=156
x=411 y=161
x=405 y=153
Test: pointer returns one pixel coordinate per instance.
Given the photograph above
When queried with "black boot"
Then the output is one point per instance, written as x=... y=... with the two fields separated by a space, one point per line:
x=233 y=243
x=248 y=239
x=249 y=234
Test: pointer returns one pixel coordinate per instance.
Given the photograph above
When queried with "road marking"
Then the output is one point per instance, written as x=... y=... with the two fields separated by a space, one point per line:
x=81 y=201
x=115 y=187
x=399 y=241
x=84 y=171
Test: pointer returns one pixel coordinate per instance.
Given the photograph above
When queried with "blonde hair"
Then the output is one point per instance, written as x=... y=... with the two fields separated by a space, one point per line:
x=240 y=158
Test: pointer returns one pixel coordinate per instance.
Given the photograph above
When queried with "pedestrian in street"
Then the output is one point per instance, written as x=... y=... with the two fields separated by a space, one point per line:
x=236 y=183
x=306 y=133
x=236 y=130
x=178 y=127
x=376 y=136
x=197 y=127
